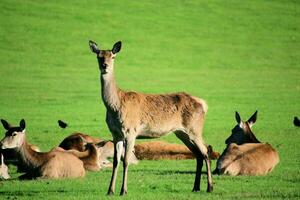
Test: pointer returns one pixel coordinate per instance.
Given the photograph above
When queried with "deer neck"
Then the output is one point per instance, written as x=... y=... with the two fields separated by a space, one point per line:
x=110 y=91
x=31 y=158
x=251 y=136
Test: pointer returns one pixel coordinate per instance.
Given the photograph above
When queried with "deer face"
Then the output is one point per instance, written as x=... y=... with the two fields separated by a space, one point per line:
x=242 y=133
x=14 y=136
x=105 y=57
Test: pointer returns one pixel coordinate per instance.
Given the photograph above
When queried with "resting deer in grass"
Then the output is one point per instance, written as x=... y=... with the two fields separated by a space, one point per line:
x=245 y=154
x=56 y=163
x=154 y=150
x=131 y=115
x=79 y=141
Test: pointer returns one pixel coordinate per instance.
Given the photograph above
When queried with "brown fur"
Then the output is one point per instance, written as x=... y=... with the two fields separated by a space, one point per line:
x=75 y=141
x=245 y=155
x=78 y=141
x=155 y=150
x=159 y=150
x=53 y=164
x=56 y=163
x=250 y=159
x=132 y=115
x=89 y=157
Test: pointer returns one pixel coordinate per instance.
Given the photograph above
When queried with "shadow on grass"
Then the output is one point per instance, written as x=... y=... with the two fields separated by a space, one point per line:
x=164 y=172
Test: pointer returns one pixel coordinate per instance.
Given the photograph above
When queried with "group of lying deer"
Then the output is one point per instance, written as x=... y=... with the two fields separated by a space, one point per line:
x=131 y=115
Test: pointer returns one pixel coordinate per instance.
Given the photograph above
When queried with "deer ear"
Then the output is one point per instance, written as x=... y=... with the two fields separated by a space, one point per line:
x=22 y=124
x=237 y=117
x=83 y=140
x=5 y=124
x=101 y=144
x=252 y=119
x=94 y=47
x=117 y=47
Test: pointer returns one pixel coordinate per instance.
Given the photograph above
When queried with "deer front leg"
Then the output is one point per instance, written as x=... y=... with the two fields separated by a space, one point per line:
x=118 y=151
x=129 y=147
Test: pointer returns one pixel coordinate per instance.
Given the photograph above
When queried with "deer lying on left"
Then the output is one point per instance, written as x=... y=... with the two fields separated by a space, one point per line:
x=56 y=163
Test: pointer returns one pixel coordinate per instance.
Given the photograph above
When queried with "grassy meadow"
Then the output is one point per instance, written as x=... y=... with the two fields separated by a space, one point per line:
x=237 y=55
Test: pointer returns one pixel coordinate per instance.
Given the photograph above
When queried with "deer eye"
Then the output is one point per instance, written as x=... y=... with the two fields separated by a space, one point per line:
x=113 y=57
x=14 y=134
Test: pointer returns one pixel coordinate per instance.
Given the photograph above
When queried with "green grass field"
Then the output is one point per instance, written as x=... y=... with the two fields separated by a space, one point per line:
x=237 y=55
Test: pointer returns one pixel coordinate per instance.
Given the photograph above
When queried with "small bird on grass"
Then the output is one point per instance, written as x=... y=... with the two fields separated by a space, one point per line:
x=62 y=124
x=296 y=121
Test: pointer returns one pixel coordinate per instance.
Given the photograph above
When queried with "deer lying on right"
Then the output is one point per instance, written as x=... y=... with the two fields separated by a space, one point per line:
x=245 y=154
x=56 y=163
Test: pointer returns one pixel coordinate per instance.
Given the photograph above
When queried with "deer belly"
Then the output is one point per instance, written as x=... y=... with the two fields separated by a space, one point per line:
x=155 y=131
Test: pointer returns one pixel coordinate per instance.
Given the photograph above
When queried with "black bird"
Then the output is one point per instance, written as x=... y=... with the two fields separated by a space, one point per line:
x=296 y=121
x=62 y=124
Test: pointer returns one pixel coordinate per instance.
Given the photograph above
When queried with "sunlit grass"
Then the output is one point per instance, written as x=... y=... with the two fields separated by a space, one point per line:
x=236 y=55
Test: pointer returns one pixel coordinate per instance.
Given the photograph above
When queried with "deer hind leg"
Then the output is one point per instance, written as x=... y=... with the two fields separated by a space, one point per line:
x=200 y=151
x=118 y=150
x=129 y=148
x=203 y=149
x=189 y=143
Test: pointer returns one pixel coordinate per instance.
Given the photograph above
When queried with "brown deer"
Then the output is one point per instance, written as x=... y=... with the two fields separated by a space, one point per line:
x=131 y=115
x=245 y=154
x=154 y=150
x=56 y=163
x=78 y=141
x=160 y=150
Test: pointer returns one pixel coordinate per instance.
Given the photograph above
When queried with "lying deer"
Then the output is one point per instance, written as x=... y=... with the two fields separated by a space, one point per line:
x=245 y=154
x=78 y=141
x=56 y=163
x=154 y=150
x=160 y=150
x=131 y=115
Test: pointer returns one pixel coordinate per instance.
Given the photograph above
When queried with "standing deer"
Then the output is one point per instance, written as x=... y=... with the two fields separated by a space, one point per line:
x=56 y=163
x=245 y=154
x=131 y=115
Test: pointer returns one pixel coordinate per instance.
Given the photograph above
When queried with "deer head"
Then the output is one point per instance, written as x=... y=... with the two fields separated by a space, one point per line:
x=242 y=133
x=105 y=57
x=14 y=136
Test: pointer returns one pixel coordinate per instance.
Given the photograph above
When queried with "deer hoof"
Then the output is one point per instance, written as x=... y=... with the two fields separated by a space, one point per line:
x=123 y=192
x=110 y=193
x=210 y=188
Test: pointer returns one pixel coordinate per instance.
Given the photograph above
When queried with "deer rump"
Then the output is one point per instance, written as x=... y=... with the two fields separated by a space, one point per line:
x=61 y=164
x=247 y=159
